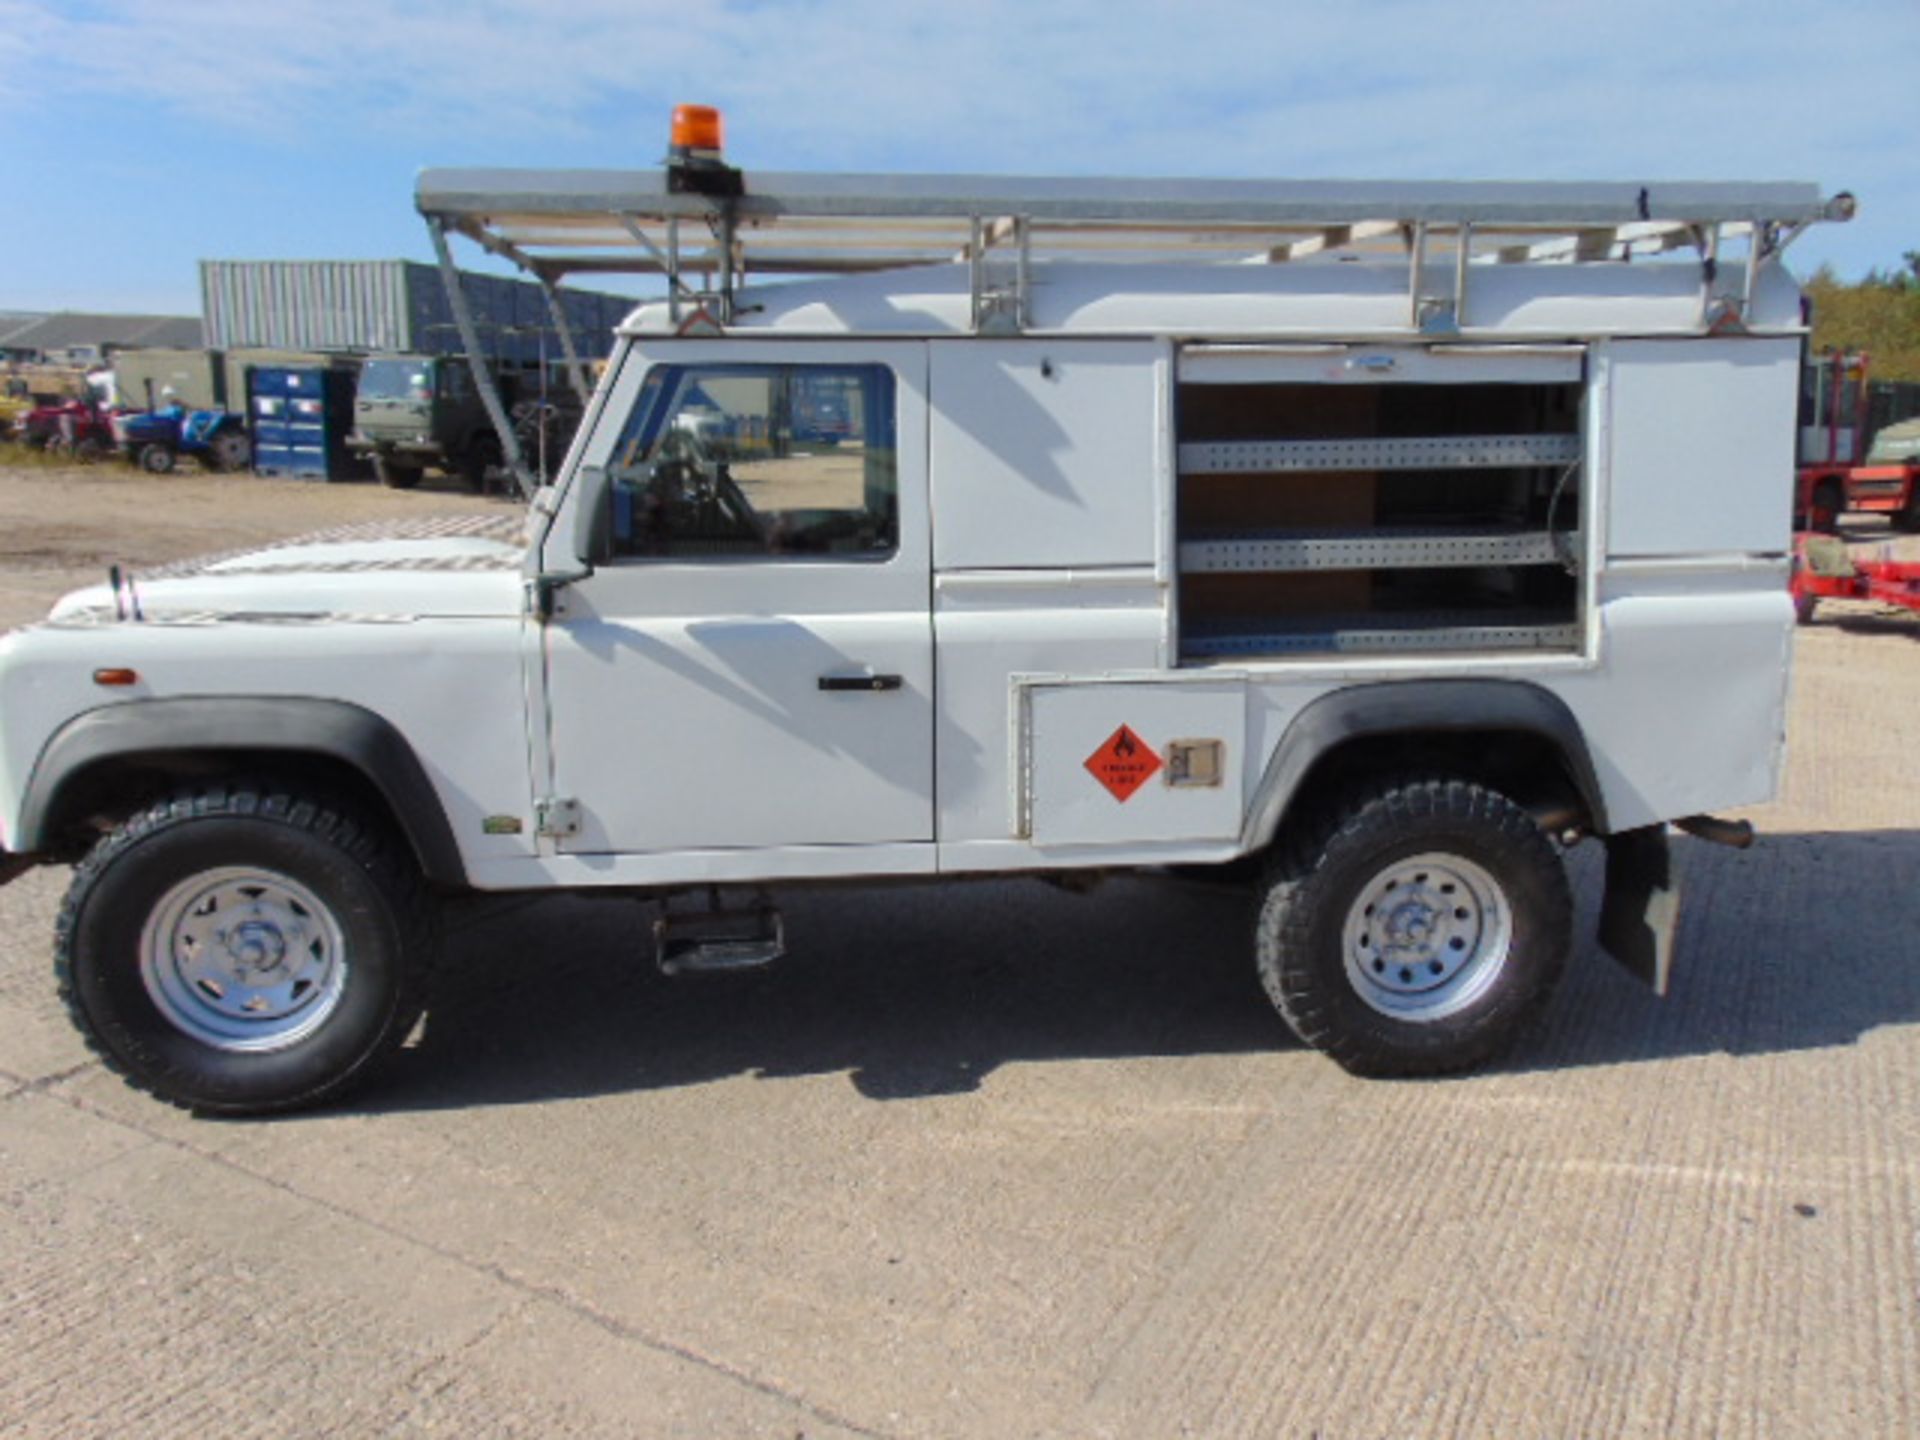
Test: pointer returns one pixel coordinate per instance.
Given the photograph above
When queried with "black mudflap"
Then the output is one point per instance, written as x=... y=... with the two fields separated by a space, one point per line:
x=1641 y=912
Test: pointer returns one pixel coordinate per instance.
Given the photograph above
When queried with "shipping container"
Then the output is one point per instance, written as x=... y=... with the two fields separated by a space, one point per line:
x=387 y=306
x=300 y=416
x=238 y=366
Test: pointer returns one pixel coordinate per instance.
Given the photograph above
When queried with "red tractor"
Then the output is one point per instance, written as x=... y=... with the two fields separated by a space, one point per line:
x=1836 y=471
x=81 y=428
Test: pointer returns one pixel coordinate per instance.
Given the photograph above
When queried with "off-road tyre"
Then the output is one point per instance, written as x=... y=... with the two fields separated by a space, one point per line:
x=1316 y=883
x=363 y=876
x=479 y=462
x=1907 y=518
x=155 y=458
x=1828 y=503
x=394 y=475
x=228 y=453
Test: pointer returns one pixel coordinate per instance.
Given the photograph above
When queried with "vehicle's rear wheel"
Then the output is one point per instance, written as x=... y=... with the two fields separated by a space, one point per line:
x=1828 y=501
x=481 y=461
x=155 y=458
x=1907 y=517
x=228 y=452
x=1415 y=928
x=392 y=474
x=243 y=951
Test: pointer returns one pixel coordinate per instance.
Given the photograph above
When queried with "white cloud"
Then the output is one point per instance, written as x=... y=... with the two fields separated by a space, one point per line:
x=1285 y=82
x=1630 y=89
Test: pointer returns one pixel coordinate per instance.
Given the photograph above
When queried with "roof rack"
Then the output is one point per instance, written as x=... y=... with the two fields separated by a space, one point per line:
x=683 y=225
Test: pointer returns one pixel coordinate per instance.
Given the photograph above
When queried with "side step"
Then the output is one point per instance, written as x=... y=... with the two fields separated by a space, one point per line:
x=698 y=941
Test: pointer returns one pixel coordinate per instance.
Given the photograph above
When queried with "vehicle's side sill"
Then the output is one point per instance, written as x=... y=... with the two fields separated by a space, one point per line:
x=701 y=867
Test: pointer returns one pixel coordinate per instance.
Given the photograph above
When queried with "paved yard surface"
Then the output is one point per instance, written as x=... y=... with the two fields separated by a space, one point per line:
x=1001 y=1161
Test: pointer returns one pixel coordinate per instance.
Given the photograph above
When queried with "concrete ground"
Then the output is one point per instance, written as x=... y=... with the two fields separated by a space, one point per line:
x=1001 y=1161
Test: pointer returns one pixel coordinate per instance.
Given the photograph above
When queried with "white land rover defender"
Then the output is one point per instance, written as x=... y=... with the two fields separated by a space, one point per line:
x=1368 y=543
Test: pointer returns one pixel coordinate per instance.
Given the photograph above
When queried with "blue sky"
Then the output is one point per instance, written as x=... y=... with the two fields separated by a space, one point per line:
x=143 y=135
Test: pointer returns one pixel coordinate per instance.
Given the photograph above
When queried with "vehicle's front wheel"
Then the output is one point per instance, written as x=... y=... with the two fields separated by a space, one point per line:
x=392 y=474
x=246 y=950
x=155 y=458
x=1414 y=929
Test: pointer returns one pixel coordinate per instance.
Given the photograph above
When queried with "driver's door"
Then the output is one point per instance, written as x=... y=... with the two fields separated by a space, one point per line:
x=750 y=664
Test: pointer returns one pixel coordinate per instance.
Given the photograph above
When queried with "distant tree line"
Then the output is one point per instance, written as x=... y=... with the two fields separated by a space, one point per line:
x=1879 y=314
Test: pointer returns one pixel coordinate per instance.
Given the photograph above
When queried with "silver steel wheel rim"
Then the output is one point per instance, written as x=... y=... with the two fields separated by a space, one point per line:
x=1426 y=937
x=243 y=959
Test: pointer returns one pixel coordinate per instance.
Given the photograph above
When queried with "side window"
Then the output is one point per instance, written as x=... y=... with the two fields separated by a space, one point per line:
x=756 y=460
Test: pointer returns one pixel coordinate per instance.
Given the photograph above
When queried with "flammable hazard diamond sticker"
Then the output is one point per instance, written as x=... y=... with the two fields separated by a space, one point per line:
x=1123 y=764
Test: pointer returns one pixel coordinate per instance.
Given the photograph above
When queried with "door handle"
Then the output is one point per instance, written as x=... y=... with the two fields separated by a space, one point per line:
x=867 y=683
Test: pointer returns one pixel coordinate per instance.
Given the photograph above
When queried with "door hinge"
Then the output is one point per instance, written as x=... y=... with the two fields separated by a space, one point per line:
x=557 y=816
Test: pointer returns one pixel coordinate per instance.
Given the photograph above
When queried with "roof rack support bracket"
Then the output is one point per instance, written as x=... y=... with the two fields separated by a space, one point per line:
x=1429 y=314
x=477 y=362
x=999 y=307
x=1462 y=259
x=1727 y=314
x=675 y=286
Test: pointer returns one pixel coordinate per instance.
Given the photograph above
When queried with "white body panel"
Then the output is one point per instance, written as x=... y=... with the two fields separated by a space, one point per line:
x=1703 y=435
x=1047 y=455
x=991 y=627
x=1316 y=300
x=456 y=690
x=1373 y=365
x=459 y=566
x=1687 y=712
x=712 y=733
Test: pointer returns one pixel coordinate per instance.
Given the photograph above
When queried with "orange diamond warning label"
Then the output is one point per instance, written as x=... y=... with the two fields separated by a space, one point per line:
x=1123 y=764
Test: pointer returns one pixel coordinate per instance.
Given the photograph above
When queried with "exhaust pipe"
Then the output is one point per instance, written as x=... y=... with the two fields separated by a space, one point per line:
x=1736 y=834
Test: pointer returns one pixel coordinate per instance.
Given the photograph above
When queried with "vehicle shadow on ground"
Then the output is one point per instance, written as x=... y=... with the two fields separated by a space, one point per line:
x=1889 y=622
x=1802 y=942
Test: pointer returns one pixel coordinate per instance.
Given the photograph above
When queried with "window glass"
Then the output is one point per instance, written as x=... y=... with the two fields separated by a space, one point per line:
x=790 y=460
x=394 y=380
x=455 y=381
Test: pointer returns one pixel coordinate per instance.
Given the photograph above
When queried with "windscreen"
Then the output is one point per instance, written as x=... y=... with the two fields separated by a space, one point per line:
x=397 y=380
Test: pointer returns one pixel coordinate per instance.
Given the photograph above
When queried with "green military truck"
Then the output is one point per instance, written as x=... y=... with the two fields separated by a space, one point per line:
x=412 y=413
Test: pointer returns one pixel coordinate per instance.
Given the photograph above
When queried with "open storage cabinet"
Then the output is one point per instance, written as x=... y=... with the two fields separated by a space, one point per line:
x=1339 y=500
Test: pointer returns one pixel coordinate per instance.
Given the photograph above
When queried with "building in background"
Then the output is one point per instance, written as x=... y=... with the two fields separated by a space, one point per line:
x=73 y=337
x=12 y=322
